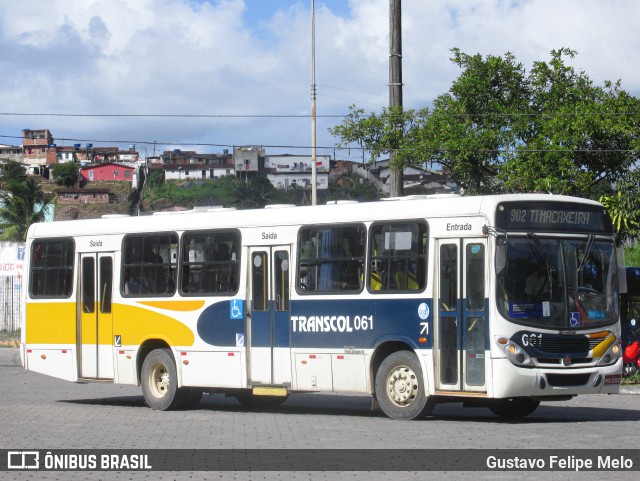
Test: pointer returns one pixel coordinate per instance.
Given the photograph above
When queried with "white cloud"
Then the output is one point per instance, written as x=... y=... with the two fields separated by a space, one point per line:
x=187 y=57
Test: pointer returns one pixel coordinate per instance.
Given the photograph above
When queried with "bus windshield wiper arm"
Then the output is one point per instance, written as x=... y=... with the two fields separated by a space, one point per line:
x=543 y=257
x=587 y=251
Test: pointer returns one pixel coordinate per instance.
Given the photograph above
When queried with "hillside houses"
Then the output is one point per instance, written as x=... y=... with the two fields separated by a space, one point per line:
x=40 y=151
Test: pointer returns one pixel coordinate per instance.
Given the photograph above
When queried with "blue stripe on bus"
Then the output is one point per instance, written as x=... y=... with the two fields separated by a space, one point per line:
x=338 y=323
x=218 y=328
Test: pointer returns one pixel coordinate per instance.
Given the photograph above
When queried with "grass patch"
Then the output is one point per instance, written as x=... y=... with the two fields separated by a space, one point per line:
x=633 y=379
x=10 y=335
x=9 y=338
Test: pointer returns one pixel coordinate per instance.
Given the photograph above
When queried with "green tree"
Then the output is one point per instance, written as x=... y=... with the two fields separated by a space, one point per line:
x=378 y=134
x=468 y=130
x=500 y=128
x=13 y=171
x=65 y=174
x=155 y=178
x=575 y=134
x=254 y=193
x=23 y=204
x=624 y=207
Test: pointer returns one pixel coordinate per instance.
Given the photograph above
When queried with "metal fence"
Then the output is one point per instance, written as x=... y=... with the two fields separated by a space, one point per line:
x=11 y=259
x=10 y=309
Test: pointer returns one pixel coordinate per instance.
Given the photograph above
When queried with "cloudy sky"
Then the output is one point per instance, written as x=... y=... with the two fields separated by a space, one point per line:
x=206 y=75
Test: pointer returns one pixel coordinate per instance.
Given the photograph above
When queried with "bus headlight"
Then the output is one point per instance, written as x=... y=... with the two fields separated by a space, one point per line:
x=514 y=352
x=611 y=355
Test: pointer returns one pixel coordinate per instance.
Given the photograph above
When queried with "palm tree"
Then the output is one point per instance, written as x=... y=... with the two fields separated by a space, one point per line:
x=255 y=193
x=22 y=204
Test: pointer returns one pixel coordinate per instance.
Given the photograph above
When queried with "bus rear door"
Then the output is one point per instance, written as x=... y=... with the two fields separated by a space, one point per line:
x=462 y=324
x=268 y=322
x=95 y=321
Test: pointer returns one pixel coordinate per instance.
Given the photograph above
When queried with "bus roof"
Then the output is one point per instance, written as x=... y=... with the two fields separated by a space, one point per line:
x=411 y=207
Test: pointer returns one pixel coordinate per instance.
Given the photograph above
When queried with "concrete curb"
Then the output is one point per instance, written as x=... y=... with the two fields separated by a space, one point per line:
x=630 y=389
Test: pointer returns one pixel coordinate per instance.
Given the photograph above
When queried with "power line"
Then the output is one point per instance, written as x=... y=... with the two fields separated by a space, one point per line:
x=346 y=148
x=195 y=116
x=306 y=116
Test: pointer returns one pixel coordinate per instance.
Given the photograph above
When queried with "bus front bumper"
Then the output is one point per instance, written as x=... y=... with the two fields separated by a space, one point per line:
x=513 y=381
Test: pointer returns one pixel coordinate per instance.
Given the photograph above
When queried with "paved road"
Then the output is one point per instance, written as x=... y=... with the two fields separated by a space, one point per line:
x=39 y=412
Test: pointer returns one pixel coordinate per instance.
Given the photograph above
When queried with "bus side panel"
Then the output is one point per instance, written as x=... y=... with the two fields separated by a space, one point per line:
x=349 y=372
x=213 y=369
x=58 y=362
x=125 y=366
x=134 y=325
x=51 y=322
x=50 y=339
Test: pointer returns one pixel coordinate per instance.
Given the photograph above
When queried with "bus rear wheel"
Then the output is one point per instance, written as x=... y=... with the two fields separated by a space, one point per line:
x=400 y=387
x=513 y=408
x=159 y=381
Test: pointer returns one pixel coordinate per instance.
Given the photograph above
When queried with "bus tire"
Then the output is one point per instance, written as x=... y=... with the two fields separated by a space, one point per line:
x=159 y=381
x=513 y=408
x=400 y=387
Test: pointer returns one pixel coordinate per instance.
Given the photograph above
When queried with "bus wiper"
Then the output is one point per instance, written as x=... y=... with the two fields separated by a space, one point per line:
x=543 y=257
x=587 y=251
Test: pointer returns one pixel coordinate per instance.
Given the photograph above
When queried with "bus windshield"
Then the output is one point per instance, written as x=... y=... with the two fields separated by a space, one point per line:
x=558 y=283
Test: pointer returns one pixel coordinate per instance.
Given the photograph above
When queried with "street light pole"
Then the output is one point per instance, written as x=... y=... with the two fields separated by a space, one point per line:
x=314 y=185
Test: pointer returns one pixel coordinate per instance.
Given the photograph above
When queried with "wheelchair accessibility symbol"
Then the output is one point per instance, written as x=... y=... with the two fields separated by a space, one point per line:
x=236 y=309
x=574 y=319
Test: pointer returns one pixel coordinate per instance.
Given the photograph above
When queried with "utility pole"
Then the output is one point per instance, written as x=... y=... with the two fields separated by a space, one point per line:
x=314 y=169
x=396 y=183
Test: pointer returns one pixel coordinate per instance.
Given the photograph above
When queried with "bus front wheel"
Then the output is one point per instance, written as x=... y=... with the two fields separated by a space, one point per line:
x=160 y=381
x=513 y=408
x=400 y=388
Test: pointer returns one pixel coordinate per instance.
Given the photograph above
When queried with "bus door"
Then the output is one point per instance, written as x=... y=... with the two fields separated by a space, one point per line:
x=462 y=325
x=268 y=319
x=95 y=322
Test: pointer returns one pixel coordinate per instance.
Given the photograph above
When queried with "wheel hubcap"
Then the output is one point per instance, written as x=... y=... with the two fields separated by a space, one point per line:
x=160 y=380
x=402 y=386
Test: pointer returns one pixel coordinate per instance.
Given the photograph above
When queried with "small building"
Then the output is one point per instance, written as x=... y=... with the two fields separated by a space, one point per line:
x=192 y=171
x=287 y=170
x=248 y=160
x=39 y=147
x=109 y=172
x=10 y=152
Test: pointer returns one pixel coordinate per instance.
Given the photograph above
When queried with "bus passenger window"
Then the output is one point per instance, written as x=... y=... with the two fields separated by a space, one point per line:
x=210 y=264
x=331 y=259
x=51 y=268
x=149 y=265
x=398 y=256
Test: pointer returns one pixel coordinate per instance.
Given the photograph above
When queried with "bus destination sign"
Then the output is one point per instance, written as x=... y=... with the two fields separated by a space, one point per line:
x=552 y=217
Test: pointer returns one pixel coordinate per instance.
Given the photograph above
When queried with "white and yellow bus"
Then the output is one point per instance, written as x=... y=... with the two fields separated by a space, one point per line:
x=497 y=301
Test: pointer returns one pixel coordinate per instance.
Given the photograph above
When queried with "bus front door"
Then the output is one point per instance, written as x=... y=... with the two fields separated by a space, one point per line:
x=268 y=320
x=95 y=327
x=462 y=324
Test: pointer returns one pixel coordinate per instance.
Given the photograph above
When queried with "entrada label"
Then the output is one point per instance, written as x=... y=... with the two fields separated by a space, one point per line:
x=457 y=227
